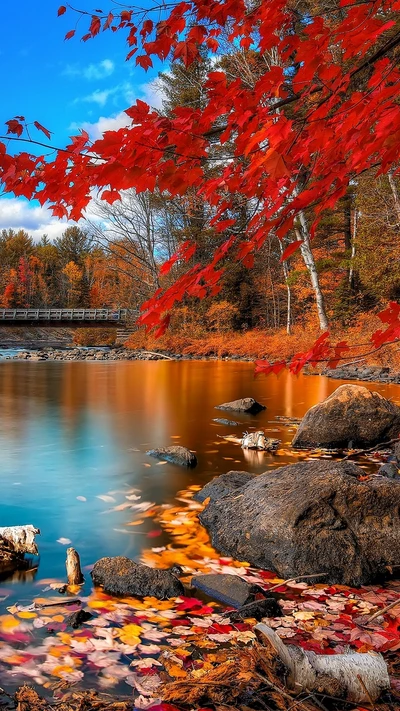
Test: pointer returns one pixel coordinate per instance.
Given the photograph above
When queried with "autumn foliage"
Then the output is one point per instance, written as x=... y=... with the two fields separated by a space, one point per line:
x=322 y=111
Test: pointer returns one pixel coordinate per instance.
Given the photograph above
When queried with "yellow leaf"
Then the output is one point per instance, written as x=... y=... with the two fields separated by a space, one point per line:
x=58 y=618
x=26 y=615
x=303 y=615
x=102 y=604
x=59 y=670
x=8 y=623
x=130 y=635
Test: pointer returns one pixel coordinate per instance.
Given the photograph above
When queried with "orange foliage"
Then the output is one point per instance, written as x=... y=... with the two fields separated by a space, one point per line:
x=272 y=344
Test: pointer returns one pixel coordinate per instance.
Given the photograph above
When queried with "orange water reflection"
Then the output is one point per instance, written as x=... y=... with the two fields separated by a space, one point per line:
x=73 y=430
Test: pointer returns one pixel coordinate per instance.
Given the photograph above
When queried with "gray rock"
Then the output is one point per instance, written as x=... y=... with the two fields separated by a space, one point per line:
x=175 y=454
x=311 y=517
x=222 y=421
x=122 y=576
x=351 y=417
x=78 y=618
x=396 y=449
x=268 y=607
x=390 y=470
x=245 y=404
x=229 y=589
x=224 y=484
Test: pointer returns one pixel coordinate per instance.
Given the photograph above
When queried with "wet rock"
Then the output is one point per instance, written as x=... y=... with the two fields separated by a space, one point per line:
x=175 y=454
x=229 y=589
x=223 y=484
x=122 y=576
x=76 y=619
x=268 y=607
x=351 y=417
x=390 y=470
x=311 y=517
x=245 y=404
x=222 y=421
x=396 y=451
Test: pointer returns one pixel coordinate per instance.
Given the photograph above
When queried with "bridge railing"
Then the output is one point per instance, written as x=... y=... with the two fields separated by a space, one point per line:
x=63 y=314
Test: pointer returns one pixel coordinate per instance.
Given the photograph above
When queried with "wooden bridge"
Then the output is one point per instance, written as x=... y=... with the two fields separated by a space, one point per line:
x=95 y=316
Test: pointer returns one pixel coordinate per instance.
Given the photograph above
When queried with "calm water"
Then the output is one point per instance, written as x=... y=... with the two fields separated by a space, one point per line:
x=73 y=430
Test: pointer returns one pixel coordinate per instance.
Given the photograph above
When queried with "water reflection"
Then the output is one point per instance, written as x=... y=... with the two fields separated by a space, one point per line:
x=73 y=430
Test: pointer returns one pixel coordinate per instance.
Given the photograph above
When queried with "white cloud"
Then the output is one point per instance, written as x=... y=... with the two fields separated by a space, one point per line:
x=18 y=213
x=99 y=97
x=152 y=93
x=104 y=123
x=93 y=71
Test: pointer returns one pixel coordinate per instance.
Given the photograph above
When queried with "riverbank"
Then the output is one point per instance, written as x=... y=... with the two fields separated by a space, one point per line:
x=360 y=372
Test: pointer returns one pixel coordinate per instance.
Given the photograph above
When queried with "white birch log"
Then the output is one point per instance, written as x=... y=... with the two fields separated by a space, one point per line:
x=308 y=671
x=15 y=540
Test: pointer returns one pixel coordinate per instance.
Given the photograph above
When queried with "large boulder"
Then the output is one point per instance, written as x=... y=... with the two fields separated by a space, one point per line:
x=351 y=417
x=176 y=455
x=311 y=517
x=245 y=404
x=122 y=576
x=223 y=484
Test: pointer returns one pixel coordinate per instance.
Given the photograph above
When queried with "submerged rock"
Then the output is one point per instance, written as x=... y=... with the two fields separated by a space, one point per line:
x=311 y=517
x=223 y=484
x=122 y=576
x=351 y=417
x=223 y=421
x=175 y=454
x=245 y=404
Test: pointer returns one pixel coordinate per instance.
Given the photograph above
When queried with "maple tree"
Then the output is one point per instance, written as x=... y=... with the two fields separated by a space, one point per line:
x=324 y=111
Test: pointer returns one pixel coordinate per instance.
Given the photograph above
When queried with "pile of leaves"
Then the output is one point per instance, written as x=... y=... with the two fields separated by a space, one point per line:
x=153 y=647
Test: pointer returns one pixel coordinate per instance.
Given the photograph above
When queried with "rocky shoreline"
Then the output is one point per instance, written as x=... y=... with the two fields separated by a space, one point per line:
x=107 y=354
x=361 y=372
x=366 y=373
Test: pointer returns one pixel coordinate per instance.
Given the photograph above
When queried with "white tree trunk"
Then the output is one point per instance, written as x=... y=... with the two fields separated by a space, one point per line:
x=289 y=292
x=360 y=677
x=353 y=247
x=302 y=233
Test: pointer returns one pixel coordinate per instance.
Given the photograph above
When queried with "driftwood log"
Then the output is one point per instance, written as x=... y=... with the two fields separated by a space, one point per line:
x=73 y=566
x=15 y=541
x=354 y=677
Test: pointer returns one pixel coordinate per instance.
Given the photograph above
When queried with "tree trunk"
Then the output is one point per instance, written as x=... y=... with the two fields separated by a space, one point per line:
x=347 y=223
x=355 y=676
x=289 y=293
x=73 y=565
x=303 y=234
x=395 y=193
x=353 y=249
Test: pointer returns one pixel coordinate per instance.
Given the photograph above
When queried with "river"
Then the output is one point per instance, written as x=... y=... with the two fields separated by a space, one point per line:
x=73 y=442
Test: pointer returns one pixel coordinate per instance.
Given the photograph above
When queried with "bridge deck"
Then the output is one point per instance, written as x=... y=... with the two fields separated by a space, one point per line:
x=113 y=315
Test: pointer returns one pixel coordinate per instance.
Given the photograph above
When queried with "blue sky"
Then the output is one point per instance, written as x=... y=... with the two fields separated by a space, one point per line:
x=62 y=84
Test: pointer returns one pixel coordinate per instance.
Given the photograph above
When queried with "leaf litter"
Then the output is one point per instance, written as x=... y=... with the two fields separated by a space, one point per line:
x=160 y=652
